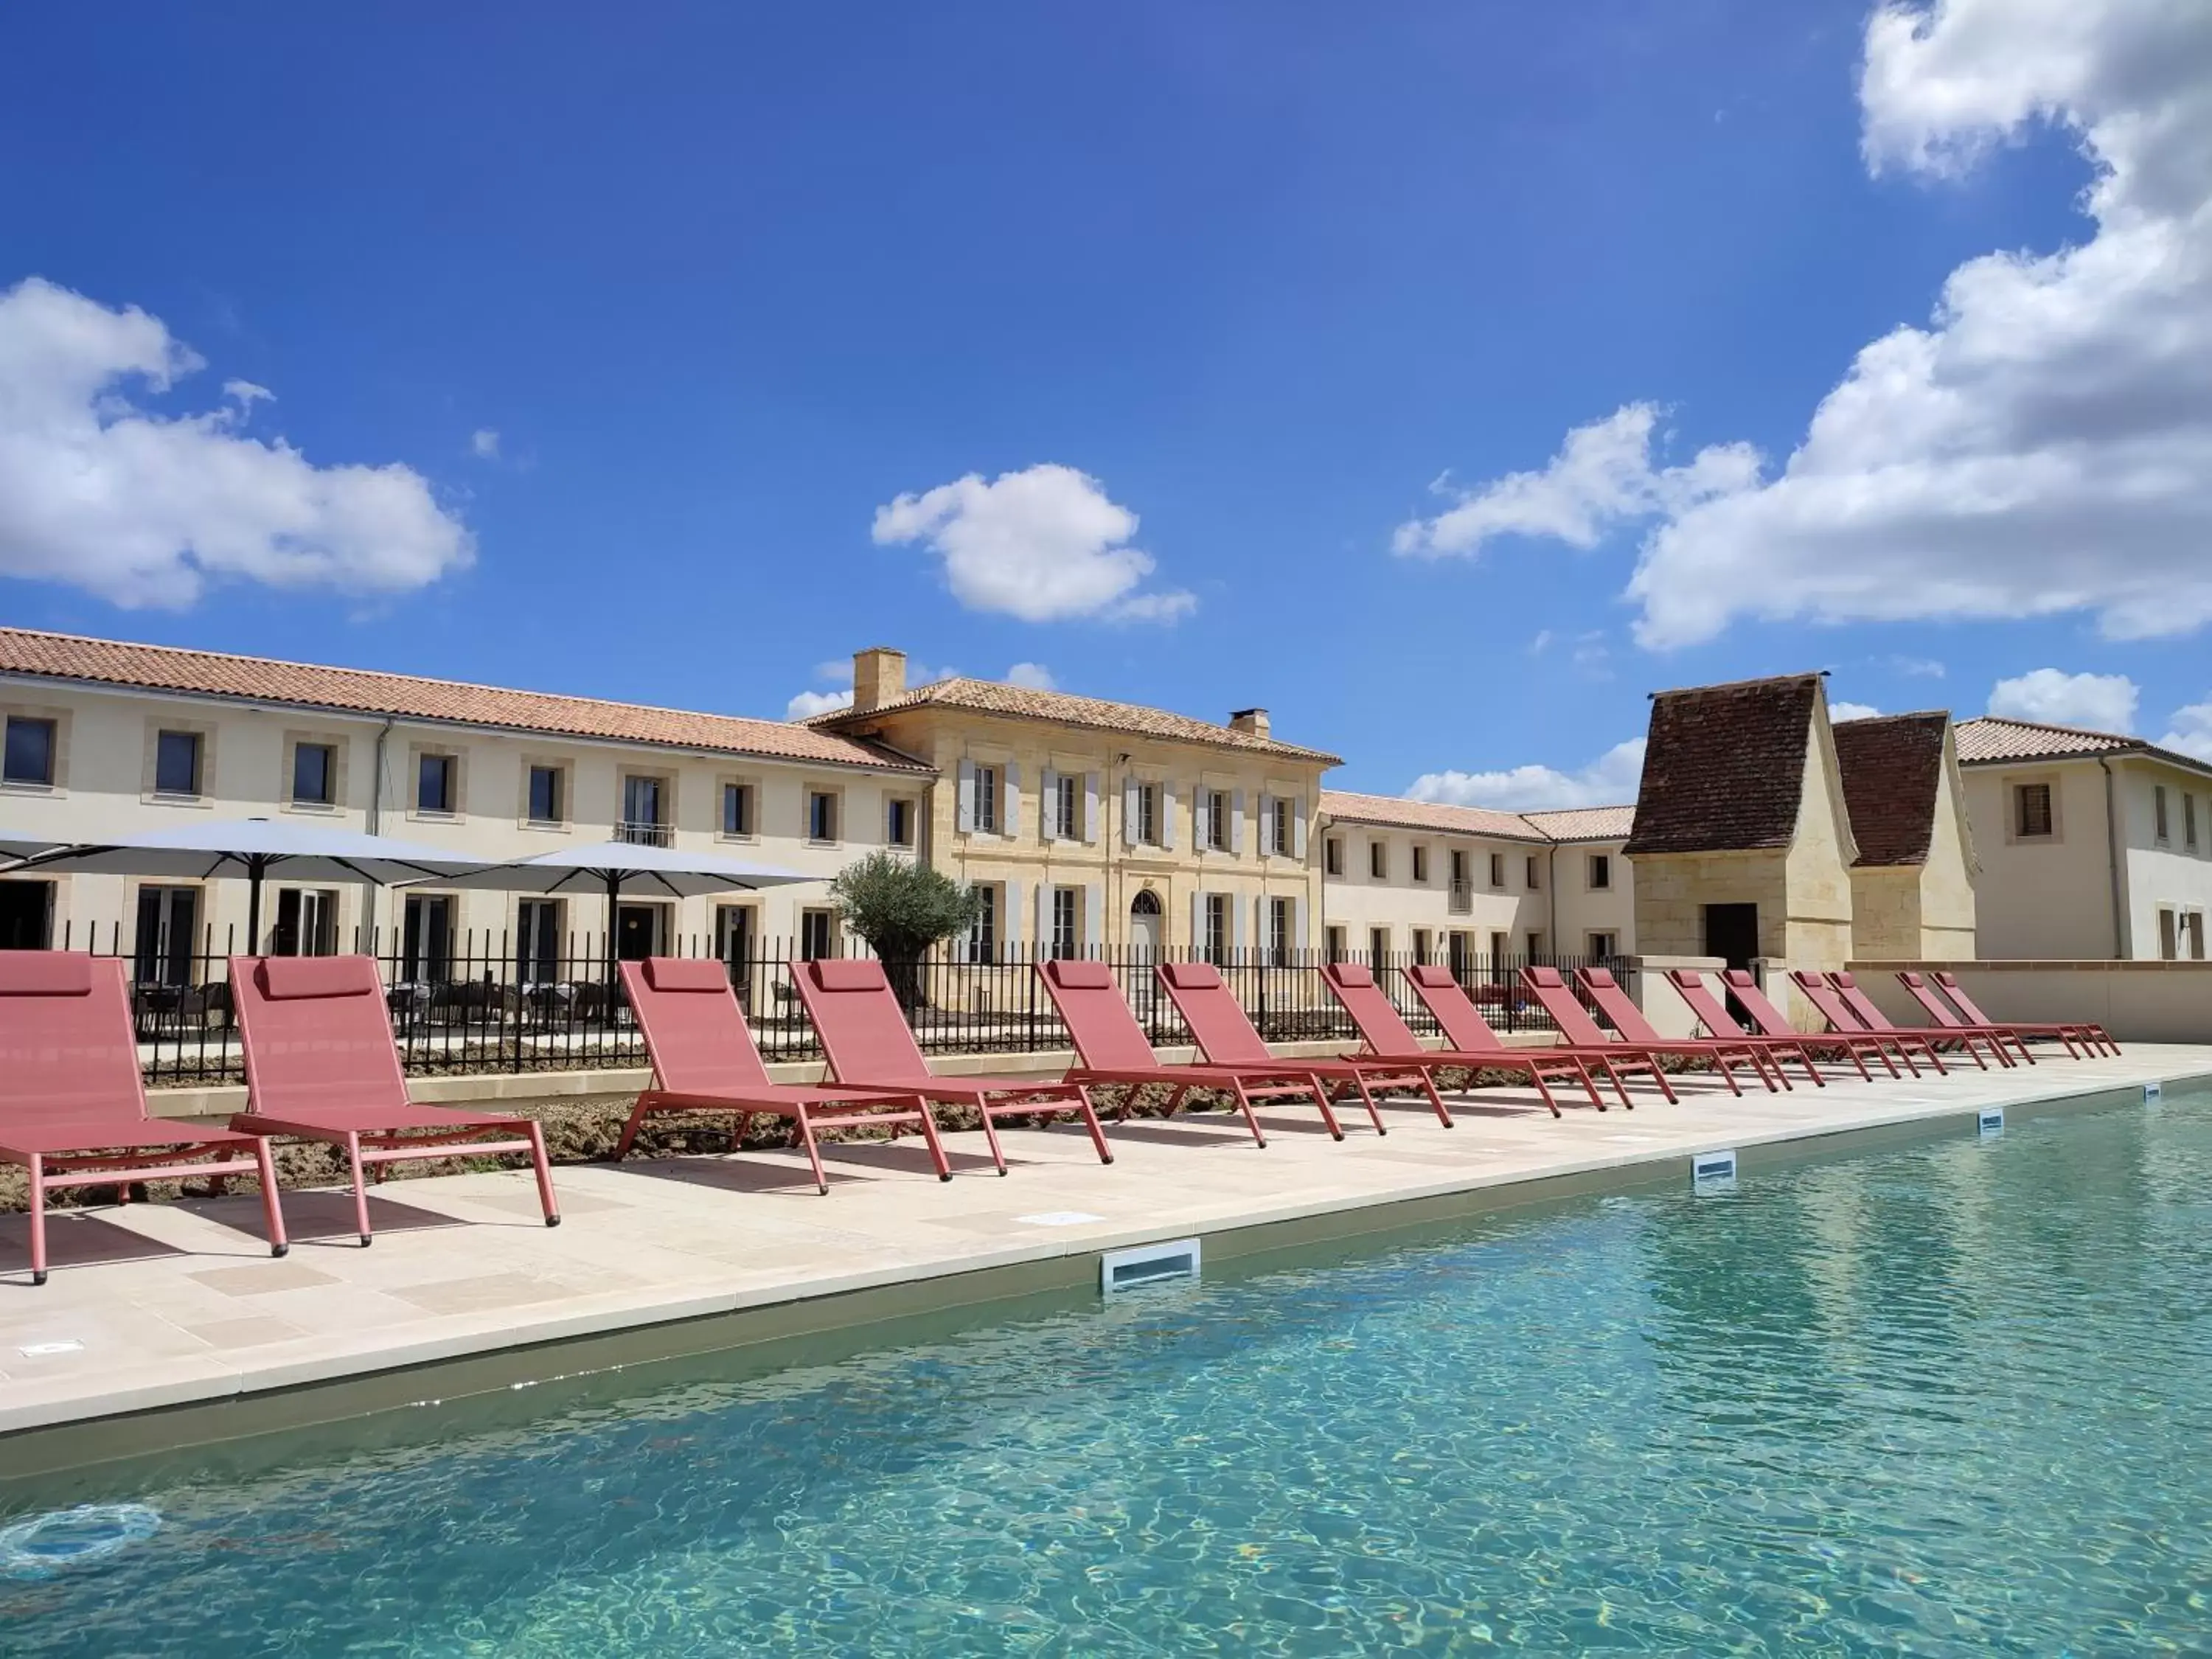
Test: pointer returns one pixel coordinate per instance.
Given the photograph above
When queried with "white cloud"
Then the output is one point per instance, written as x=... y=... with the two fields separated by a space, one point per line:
x=1852 y=711
x=483 y=443
x=246 y=394
x=2190 y=730
x=1031 y=675
x=2103 y=703
x=1926 y=668
x=147 y=509
x=1034 y=676
x=2043 y=444
x=1611 y=780
x=807 y=704
x=1044 y=544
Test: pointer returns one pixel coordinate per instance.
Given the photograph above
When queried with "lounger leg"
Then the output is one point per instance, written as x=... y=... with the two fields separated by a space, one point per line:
x=929 y=1139
x=1175 y=1102
x=272 y=1211
x=991 y=1134
x=1544 y=1088
x=544 y=1165
x=1328 y=1112
x=637 y=1117
x=1090 y=1114
x=1881 y=1052
x=1805 y=1058
x=38 y=1221
x=802 y=1130
x=1666 y=1088
x=1374 y=1112
x=1244 y=1105
x=1727 y=1072
x=1589 y=1087
x=360 y=1191
x=1612 y=1074
x=1429 y=1083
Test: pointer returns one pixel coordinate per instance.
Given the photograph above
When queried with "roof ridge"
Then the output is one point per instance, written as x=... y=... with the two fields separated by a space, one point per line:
x=2069 y=731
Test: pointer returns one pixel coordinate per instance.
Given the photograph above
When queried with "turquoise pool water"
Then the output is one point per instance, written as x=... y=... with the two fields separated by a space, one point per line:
x=1952 y=1399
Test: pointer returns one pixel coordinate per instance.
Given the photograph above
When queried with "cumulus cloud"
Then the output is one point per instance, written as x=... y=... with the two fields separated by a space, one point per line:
x=483 y=443
x=2103 y=703
x=2042 y=444
x=1852 y=711
x=2190 y=731
x=1033 y=675
x=1045 y=545
x=807 y=704
x=148 y=509
x=1611 y=780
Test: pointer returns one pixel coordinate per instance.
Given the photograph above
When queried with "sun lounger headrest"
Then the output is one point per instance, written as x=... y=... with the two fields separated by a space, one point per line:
x=1547 y=977
x=1688 y=978
x=686 y=973
x=1738 y=976
x=1353 y=975
x=1843 y=981
x=1945 y=979
x=1192 y=975
x=44 y=974
x=1601 y=978
x=283 y=979
x=849 y=974
x=1072 y=976
x=1433 y=974
x=1912 y=981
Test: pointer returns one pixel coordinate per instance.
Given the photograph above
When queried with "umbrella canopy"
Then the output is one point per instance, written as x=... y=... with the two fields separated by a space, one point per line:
x=620 y=867
x=14 y=847
x=252 y=847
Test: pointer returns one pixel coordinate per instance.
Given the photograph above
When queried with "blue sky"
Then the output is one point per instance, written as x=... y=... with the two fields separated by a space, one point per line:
x=1281 y=296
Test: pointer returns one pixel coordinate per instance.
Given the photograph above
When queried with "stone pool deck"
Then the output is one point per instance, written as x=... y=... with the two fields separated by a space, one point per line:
x=164 y=1305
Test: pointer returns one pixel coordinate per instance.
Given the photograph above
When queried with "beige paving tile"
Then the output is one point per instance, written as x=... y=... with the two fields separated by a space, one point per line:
x=262 y=1278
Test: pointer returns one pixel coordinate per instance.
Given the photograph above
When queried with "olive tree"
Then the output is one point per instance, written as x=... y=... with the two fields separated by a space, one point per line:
x=902 y=909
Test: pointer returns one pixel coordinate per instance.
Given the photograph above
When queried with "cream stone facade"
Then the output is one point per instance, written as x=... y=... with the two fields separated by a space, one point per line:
x=1926 y=910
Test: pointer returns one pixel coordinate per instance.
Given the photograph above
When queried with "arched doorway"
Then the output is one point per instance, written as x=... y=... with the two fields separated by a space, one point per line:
x=1147 y=927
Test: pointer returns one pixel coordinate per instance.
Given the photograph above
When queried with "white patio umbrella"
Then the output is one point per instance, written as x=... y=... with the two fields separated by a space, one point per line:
x=14 y=847
x=252 y=847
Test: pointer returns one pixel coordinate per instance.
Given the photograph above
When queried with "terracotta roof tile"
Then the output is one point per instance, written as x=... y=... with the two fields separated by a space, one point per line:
x=993 y=697
x=1398 y=813
x=260 y=679
x=1585 y=822
x=1890 y=766
x=1993 y=739
x=1724 y=769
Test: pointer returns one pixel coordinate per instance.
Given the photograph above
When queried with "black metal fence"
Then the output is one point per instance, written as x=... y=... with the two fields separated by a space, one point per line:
x=477 y=1002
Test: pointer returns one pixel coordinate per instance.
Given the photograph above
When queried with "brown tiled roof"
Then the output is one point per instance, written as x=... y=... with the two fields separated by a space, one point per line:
x=1992 y=740
x=993 y=697
x=1725 y=766
x=366 y=691
x=1890 y=766
x=1401 y=814
x=1585 y=822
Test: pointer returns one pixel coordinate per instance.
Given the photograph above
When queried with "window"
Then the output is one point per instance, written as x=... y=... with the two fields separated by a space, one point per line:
x=433 y=784
x=545 y=806
x=1217 y=819
x=1536 y=947
x=898 y=824
x=1456 y=954
x=1601 y=872
x=30 y=753
x=314 y=773
x=1423 y=942
x=2166 y=950
x=177 y=764
x=1420 y=864
x=1501 y=947
x=1459 y=866
x=1332 y=856
x=644 y=815
x=1066 y=928
x=1332 y=940
x=984 y=934
x=1535 y=875
x=1378 y=949
x=2030 y=811
x=1148 y=814
x=1217 y=927
x=1600 y=947
x=426 y=939
x=307 y=922
x=1282 y=926
x=2158 y=827
x=2193 y=926
x=983 y=806
x=736 y=928
x=1282 y=836
x=1498 y=870
x=27 y=916
x=821 y=816
x=1066 y=806
x=168 y=924
x=2189 y=820
x=537 y=938
x=818 y=934
x=738 y=809
x=1378 y=860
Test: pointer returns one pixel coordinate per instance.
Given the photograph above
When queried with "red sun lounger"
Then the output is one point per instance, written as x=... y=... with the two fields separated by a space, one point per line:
x=1966 y=1037
x=320 y=1064
x=704 y=1058
x=1550 y=988
x=1628 y=1020
x=2088 y=1034
x=1853 y=1045
x=1111 y=1048
x=1840 y=1017
x=870 y=1046
x=72 y=1104
x=1468 y=1032
x=1713 y=1015
x=1226 y=1037
x=1387 y=1036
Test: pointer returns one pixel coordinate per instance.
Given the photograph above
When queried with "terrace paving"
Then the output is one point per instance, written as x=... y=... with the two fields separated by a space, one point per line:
x=153 y=1305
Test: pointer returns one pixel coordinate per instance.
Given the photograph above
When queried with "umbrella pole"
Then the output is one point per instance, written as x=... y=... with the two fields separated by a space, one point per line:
x=614 y=891
x=253 y=872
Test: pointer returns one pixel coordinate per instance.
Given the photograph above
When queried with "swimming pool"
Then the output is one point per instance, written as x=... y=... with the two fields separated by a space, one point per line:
x=1946 y=1398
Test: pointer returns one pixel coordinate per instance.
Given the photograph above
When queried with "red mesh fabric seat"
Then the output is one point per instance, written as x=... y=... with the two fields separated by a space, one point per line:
x=870 y=1046
x=704 y=1058
x=2088 y=1033
x=1550 y=988
x=1971 y=1038
x=1723 y=1053
x=1854 y=1046
x=1386 y=1034
x=73 y=1102
x=321 y=1065
x=1831 y=1007
x=1466 y=1030
x=1711 y=1013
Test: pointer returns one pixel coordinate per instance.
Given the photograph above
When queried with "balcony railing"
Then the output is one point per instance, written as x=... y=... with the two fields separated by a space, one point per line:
x=1462 y=902
x=645 y=835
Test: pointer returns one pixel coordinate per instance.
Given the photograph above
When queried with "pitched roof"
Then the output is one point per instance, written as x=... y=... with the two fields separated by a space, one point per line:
x=367 y=691
x=1401 y=814
x=1993 y=739
x=1584 y=822
x=1892 y=765
x=1021 y=702
x=1724 y=768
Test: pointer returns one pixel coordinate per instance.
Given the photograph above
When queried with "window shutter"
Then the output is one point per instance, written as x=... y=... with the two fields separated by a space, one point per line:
x=1167 y=817
x=1268 y=847
x=1043 y=940
x=961 y=945
x=1089 y=809
x=1129 y=812
x=963 y=811
x=1298 y=922
x=1094 y=907
x=1010 y=800
x=1049 y=827
x=1197 y=922
x=1010 y=918
x=1298 y=826
x=1237 y=823
x=1201 y=820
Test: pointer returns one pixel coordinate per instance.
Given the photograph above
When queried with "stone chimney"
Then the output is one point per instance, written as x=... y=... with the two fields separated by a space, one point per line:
x=1254 y=720
x=879 y=677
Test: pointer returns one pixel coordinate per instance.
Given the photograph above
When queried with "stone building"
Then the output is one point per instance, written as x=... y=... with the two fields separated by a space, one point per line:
x=1912 y=883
